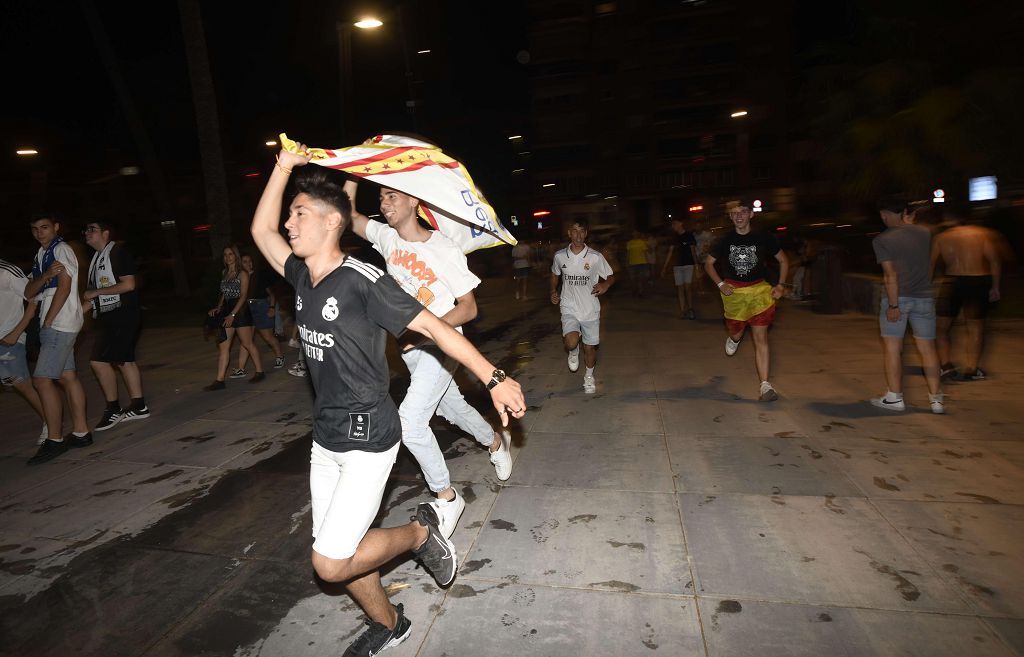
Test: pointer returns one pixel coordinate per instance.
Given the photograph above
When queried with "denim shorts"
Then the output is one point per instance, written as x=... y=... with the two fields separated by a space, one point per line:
x=56 y=353
x=258 y=310
x=13 y=364
x=920 y=312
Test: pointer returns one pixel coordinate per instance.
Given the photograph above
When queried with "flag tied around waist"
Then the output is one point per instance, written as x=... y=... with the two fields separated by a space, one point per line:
x=450 y=201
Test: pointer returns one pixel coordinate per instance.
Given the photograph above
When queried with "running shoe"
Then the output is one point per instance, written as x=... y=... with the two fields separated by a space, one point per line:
x=976 y=375
x=936 y=403
x=691 y=314
x=293 y=343
x=257 y=377
x=448 y=513
x=279 y=362
x=71 y=440
x=502 y=458
x=768 y=393
x=135 y=414
x=574 y=360
x=882 y=402
x=216 y=385
x=110 y=419
x=298 y=369
x=947 y=370
x=50 y=449
x=589 y=384
x=437 y=554
x=239 y=374
x=378 y=638
x=731 y=346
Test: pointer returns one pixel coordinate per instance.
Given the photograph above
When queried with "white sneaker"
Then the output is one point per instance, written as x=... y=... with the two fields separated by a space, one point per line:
x=502 y=459
x=298 y=369
x=768 y=393
x=731 y=346
x=936 y=402
x=43 y=435
x=589 y=384
x=574 y=360
x=882 y=402
x=293 y=343
x=448 y=513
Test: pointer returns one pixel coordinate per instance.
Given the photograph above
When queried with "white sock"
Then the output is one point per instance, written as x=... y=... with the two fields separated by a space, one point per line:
x=891 y=396
x=77 y=434
x=590 y=371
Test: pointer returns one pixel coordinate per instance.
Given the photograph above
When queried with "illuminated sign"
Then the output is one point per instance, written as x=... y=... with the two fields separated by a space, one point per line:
x=982 y=189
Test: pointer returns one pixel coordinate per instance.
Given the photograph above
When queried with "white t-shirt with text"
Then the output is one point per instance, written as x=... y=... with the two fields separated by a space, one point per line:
x=580 y=272
x=434 y=271
x=69 y=319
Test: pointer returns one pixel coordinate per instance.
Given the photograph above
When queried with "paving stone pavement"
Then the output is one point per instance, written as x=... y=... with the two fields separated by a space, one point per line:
x=669 y=513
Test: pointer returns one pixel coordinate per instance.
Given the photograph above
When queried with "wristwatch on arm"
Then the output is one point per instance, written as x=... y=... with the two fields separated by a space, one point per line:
x=497 y=376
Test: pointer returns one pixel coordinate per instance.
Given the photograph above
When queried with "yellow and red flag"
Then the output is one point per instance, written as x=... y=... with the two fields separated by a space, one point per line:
x=450 y=201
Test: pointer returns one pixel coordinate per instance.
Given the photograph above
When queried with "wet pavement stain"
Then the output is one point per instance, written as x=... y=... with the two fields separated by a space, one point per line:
x=729 y=607
x=839 y=451
x=617 y=585
x=504 y=524
x=462 y=591
x=201 y=438
x=585 y=518
x=783 y=434
x=815 y=454
x=907 y=590
x=885 y=485
x=634 y=546
x=824 y=618
x=284 y=417
x=831 y=505
x=107 y=481
x=167 y=475
x=114 y=491
x=540 y=533
x=981 y=498
x=473 y=566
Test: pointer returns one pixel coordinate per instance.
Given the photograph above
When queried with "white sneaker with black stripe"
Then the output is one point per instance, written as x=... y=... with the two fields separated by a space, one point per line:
x=889 y=405
x=135 y=414
x=110 y=419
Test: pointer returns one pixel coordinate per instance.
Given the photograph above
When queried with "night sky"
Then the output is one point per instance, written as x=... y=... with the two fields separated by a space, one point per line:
x=275 y=67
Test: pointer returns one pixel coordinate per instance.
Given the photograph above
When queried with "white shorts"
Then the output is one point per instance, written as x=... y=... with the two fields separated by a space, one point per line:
x=346 y=489
x=590 y=329
x=683 y=275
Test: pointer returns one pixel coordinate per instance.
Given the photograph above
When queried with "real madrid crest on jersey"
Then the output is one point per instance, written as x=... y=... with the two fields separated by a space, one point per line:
x=586 y=266
x=298 y=302
x=330 y=311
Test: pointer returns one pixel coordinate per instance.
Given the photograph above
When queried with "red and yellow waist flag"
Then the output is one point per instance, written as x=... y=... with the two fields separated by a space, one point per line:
x=451 y=202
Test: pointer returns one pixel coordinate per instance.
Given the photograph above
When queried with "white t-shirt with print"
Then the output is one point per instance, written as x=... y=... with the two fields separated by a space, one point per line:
x=580 y=272
x=69 y=319
x=434 y=271
x=12 y=298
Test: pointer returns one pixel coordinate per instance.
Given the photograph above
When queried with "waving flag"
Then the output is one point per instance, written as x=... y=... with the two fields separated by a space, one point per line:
x=451 y=202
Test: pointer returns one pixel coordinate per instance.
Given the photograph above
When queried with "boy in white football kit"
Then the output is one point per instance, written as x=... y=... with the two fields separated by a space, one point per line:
x=433 y=269
x=580 y=269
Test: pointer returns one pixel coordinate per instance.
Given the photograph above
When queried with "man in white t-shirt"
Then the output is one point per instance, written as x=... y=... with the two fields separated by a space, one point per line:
x=431 y=268
x=55 y=285
x=580 y=269
x=14 y=319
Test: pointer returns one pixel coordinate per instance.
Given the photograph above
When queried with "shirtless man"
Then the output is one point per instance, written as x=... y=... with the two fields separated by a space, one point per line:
x=970 y=257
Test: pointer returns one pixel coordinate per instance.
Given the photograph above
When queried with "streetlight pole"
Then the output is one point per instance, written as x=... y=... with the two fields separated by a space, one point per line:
x=345 y=66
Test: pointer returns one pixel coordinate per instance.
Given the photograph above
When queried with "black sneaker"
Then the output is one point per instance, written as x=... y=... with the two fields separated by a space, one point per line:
x=976 y=375
x=71 y=440
x=109 y=419
x=379 y=638
x=50 y=449
x=259 y=376
x=437 y=554
x=135 y=414
x=947 y=370
x=216 y=385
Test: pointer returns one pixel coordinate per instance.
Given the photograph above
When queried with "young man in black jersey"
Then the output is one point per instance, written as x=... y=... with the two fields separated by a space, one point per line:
x=344 y=309
x=747 y=299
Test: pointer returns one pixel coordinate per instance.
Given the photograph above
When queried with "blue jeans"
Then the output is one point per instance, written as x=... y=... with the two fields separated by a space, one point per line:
x=919 y=311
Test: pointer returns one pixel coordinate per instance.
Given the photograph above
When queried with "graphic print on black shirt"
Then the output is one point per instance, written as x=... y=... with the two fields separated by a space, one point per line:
x=742 y=257
x=343 y=324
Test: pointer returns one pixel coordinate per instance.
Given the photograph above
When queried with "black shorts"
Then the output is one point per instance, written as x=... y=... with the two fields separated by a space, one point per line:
x=118 y=332
x=520 y=272
x=242 y=319
x=967 y=293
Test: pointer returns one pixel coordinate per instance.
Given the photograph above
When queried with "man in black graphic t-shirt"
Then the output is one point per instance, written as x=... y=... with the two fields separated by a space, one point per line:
x=747 y=298
x=344 y=308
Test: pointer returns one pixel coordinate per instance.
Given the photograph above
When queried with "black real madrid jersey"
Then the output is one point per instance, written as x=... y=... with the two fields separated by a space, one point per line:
x=343 y=324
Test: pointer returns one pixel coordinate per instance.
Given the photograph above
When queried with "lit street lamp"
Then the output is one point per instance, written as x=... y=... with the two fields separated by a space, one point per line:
x=270 y=143
x=738 y=113
x=27 y=152
x=368 y=23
